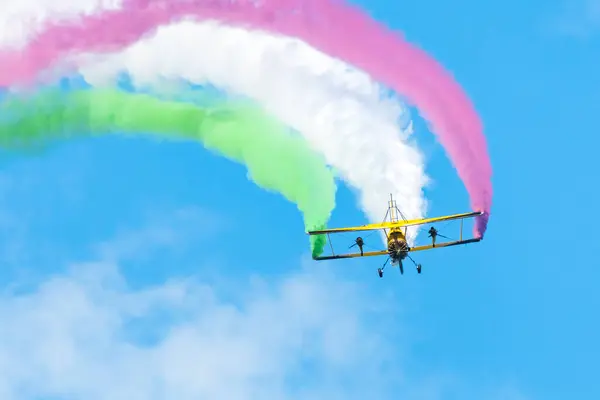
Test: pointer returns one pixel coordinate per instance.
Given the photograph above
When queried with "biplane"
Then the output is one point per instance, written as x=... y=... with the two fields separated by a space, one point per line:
x=395 y=232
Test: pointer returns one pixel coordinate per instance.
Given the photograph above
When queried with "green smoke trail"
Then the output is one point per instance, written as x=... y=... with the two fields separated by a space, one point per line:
x=276 y=159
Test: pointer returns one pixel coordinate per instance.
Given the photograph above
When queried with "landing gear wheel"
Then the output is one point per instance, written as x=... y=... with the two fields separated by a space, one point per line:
x=380 y=272
x=419 y=268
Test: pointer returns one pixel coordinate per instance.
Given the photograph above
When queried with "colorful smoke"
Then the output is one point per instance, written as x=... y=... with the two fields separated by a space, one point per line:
x=325 y=24
x=328 y=102
x=276 y=160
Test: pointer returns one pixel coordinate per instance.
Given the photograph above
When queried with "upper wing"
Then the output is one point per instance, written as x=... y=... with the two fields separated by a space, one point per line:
x=387 y=225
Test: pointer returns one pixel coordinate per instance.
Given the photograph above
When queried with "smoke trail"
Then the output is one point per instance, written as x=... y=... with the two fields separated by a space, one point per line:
x=326 y=24
x=338 y=109
x=276 y=160
x=20 y=20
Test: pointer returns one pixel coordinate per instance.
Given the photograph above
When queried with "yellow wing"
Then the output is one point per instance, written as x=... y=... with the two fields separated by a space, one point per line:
x=384 y=252
x=351 y=255
x=399 y=224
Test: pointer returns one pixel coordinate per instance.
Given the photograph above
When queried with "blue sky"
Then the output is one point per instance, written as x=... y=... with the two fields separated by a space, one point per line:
x=139 y=235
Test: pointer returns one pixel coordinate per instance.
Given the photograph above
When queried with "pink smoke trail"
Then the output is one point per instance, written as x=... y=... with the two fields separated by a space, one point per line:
x=335 y=28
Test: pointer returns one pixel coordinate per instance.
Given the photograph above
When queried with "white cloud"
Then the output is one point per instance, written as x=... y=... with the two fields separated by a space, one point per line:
x=88 y=335
x=71 y=337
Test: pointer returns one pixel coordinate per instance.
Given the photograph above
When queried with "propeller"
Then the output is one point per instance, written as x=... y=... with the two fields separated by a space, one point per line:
x=360 y=243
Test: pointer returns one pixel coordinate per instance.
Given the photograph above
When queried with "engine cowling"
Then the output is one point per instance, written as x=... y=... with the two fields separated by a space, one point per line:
x=397 y=246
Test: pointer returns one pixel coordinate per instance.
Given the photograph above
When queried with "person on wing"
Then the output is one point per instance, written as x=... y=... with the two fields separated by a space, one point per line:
x=433 y=234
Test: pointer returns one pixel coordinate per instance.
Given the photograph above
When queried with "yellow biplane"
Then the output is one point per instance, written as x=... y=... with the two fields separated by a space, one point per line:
x=397 y=246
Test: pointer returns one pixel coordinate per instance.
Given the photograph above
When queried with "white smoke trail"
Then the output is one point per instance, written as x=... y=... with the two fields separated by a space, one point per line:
x=21 y=19
x=340 y=110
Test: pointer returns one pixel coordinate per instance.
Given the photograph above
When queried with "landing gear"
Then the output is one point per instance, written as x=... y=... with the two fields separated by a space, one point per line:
x=380 y=270
x=416 y=265
x=400 y=267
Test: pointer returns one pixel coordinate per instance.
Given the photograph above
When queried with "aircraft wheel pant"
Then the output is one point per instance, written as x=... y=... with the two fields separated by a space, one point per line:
x=419 y=268
x=380 y=272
